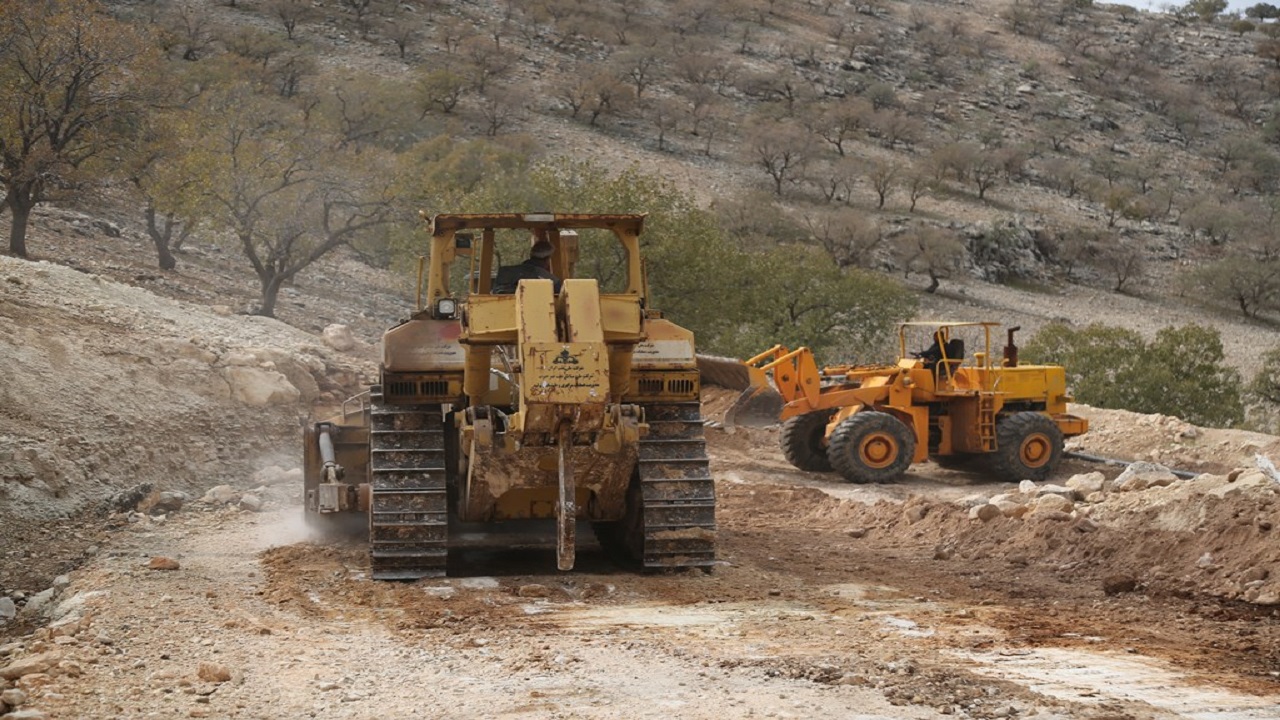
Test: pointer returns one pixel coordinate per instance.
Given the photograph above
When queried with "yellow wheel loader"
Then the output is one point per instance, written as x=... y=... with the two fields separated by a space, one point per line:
x=511 y=397
x=870 y=422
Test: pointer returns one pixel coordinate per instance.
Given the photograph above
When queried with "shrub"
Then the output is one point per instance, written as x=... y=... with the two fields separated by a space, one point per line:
x=1180 y=372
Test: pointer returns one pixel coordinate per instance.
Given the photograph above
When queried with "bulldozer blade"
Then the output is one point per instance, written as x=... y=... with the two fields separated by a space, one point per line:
x=725 y=372
x=755 y=407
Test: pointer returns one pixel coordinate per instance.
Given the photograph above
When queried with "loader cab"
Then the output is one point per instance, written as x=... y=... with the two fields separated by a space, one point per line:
x=952 y=356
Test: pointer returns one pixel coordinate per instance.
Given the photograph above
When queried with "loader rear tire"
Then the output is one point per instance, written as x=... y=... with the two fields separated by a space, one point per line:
x=804 y=441
x=870 y=447
x=1029 y=446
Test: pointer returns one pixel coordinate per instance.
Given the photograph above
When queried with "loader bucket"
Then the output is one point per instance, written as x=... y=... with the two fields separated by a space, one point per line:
x=757 y=406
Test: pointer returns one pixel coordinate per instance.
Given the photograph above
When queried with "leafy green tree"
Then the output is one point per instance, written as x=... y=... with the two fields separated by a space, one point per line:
x=1266 y=384
x=1206 y=10
x=65 y=99
x=1102 y=362
x=798 y=296
x=1262 y=11
x=1181 y=372
x=1185 y=375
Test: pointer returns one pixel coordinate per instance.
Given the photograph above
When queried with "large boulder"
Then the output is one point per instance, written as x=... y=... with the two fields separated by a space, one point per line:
x=1143 y=475
x=259 y=387
x=339 y=337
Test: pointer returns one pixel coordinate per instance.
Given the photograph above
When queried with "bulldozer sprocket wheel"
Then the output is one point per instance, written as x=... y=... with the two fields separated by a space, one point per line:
x=671 y=504
x=1029 y=446
x=871 y=446
x=804 y=441
x=408 y=514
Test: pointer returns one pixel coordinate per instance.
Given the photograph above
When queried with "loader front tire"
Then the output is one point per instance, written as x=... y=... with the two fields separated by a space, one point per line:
x=871 y=447
x=804 y=441
x=1028 y=447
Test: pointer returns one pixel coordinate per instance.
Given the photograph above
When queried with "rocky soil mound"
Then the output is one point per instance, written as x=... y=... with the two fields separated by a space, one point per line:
x=111 y=391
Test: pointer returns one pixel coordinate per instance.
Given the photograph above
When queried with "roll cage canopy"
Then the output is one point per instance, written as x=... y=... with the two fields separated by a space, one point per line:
x=472 y=236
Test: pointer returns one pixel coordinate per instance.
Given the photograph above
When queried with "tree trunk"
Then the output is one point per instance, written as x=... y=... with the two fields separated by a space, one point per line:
x=161 y=238
x=270 y=292
x=18 y=226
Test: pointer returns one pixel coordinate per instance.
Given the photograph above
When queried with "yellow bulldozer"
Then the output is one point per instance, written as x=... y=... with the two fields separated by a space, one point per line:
x=869 y=423
x=510 y=397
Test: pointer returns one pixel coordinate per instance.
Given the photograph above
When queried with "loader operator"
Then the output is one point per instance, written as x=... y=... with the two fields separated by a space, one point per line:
x=537 y=267
x=932 y=354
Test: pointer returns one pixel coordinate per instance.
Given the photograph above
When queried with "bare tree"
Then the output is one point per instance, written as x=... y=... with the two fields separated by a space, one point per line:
x=849 y=236
x=639 y=66
x=291 y=13
x=440 y=89
x=930 y=250
x=780 y=148
x=1124 y=262
x=499 y=107
x=882 y=176
x=842 y=122
x=665 y=114
x=918 y=183
x=66 y=71
x=485 y=61
x=836 y=180
x=403 y=34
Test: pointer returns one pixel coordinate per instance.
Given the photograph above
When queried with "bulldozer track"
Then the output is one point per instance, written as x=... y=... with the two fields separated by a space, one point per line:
x=408 y=517
x=678 y=495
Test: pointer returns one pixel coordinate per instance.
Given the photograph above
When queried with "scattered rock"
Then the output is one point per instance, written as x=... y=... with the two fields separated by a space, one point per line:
x=1052 y=502
x=985 y=513
x=213 y=672
x=1118 y=583
x=1087 y=483
x=1060 y=490
x=1142 y=475
x=1011 y=509
x=339 y=337
x=38 y=602
x=161 y=562
x=856 y=532
x=250 y=502
x=914 y=513
x=29 y=665
x=167 y=501
x=220 y=495
x=129 y=499
x=13 y=697
x=533 y=590
x=25 y=715
x=8 y=610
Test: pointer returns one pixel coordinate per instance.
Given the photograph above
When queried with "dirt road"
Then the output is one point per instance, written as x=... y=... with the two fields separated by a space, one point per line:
x=825 y=605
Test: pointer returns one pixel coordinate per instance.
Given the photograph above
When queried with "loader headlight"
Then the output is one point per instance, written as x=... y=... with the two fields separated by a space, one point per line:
x=446 y=308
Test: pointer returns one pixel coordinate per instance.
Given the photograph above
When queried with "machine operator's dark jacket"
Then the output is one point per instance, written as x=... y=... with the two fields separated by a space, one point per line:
x=509 y=276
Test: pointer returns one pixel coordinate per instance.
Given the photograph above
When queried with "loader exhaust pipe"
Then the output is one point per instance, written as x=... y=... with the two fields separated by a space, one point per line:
x=1011 y=349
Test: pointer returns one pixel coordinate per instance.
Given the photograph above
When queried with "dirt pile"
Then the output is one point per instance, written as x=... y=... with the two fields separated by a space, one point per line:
x=110 y=387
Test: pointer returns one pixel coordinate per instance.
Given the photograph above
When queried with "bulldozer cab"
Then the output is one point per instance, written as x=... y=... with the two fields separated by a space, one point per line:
x=487 y=254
